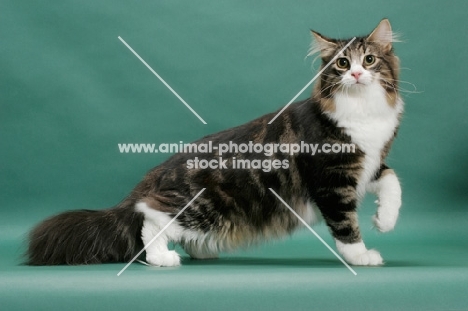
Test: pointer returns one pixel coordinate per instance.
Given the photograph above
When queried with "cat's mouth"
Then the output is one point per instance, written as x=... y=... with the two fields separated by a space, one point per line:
x=357 y=87
x=361 y=82
x=356 y=84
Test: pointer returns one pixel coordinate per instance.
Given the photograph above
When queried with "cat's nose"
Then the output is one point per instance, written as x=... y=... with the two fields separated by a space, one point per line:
x=356 y=74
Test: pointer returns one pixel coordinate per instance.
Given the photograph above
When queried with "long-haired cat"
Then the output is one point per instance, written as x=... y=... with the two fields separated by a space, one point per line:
x=354 y=101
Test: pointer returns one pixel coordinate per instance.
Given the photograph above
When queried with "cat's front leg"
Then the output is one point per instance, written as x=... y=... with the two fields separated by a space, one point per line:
x=388 y=191
x=339 y=211
x=349 y=243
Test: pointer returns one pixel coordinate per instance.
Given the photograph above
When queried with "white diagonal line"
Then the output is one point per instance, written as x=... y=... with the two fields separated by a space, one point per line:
x=162 y=80
x=160 y=232
x=313 y=231
x=311 y=81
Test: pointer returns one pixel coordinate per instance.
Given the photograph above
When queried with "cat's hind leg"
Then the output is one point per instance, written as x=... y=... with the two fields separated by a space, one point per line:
x=157 y=252
x=388 y=190
x=200 y=252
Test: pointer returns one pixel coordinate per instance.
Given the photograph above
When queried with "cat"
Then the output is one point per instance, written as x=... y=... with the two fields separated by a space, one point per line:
x=355 y=101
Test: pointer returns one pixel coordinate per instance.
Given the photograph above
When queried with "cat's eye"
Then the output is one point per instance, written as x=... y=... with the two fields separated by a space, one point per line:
x=369 y=60
x=342 y=63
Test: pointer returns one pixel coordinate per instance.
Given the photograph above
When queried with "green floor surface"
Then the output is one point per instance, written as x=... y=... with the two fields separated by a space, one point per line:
x=426 y=269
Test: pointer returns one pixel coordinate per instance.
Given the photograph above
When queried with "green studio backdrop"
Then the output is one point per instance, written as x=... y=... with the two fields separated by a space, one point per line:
x=71 y=91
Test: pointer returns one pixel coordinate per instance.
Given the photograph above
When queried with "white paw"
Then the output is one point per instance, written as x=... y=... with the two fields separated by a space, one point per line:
x=165 y=259
x=357 y=254
x=389 y=194
x=385 y=221
x=369 y=258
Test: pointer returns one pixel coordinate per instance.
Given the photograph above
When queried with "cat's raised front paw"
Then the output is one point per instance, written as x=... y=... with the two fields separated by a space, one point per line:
x=385 y=222
x=165 y=259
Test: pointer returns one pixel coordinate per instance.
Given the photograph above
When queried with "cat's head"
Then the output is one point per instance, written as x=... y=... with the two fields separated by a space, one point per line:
x=366 y=60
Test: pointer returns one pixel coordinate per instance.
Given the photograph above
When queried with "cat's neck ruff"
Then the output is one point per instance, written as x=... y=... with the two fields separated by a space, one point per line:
x=366 y=116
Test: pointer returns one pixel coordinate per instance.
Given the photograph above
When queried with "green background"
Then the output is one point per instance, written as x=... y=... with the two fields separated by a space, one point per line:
x=71 y=91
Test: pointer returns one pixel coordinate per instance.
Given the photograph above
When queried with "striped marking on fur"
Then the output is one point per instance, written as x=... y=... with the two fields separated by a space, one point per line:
x=313 y=231
x=160 y=232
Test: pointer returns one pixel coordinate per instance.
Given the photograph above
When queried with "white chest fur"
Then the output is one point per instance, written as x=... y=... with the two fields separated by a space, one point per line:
x=370 y=122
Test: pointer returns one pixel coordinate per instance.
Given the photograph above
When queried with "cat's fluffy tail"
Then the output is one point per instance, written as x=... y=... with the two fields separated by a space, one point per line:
x=87 y=237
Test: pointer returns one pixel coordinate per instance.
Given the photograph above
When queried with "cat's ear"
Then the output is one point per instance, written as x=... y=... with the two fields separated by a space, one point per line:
x=383 y=35
x=322 y=44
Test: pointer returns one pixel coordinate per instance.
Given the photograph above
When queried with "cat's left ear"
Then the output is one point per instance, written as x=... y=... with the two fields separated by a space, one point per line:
x=383 y=35
x=322 y=44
